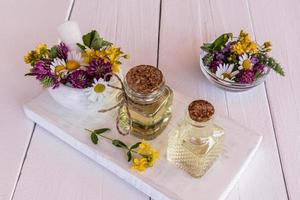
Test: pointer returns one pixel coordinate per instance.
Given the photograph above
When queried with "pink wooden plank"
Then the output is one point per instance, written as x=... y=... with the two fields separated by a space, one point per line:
x=23 y=25
x=133 y=25
x=280 y=24
x=54 y=170
x=185 y=26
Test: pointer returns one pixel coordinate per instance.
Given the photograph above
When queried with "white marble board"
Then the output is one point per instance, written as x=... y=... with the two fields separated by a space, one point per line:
x=164 y=179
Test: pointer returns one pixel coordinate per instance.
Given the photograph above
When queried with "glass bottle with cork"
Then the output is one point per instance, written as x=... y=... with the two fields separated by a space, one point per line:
x=149 y=102
x=196 y=142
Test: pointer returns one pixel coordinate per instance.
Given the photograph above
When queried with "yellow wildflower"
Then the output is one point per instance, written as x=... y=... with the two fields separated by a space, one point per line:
x=238 y=49
x=149 y=157
x=267 y=46
x=113 y=53
x=41 y=48
x=252 y=48
x=27 y=58
x=145 y=148
x=115 y=68
x=139 y=164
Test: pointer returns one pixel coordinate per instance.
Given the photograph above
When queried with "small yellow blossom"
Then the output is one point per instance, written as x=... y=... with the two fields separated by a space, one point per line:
x=115 y=68
x=244 y=44
x=139 y=164
x=149 y=156
x=267 y=44
x=238 y=48
x=27 y=58
x=41 y=48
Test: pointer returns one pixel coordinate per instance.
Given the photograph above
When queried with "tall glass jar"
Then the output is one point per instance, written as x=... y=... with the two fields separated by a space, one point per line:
x=149 y=103
x=196 y=141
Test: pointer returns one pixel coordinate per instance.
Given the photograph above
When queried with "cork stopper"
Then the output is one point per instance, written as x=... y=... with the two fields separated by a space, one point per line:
x=144 y=79
x=201 y=110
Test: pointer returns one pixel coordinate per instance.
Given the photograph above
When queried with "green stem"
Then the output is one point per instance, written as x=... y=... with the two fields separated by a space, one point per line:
x=108 y=138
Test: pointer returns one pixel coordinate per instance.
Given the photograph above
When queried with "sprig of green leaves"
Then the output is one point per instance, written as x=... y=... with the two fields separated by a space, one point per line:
x=217 y=44
x=93 y=40
x=95 y=134
x=271 y=63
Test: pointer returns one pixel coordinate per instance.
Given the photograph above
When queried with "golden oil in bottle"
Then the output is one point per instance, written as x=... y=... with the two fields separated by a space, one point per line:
x=149 y=102
x=196 y=142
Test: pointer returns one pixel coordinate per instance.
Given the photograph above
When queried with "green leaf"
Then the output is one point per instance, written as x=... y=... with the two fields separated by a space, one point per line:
x=101 y=130
x=53 y=52
x=119 y=143
x=221 y=41
x=129 y=156
x=94 y=138
x=94 y=41
x=218 y=43
x=135 y=145
x=208 y=59
x=206 y=47
x=47 y=81
x=82 y=47
x=273 y=64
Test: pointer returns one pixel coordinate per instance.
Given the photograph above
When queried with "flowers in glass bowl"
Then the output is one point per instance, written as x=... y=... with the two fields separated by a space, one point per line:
x=79 y=65
x=238 y=60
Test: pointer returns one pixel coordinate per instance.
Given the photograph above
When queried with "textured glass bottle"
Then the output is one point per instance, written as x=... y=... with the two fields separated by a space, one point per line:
x=149 y=102
x=196 y=141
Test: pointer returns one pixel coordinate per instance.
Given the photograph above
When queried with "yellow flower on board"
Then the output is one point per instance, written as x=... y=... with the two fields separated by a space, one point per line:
x=139 y=164
x=149 y=156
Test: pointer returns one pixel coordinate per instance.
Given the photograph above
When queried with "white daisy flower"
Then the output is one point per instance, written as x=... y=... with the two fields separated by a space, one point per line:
x=225 y=72
x=245 y=62
x=99 y=91
x=74 y=60
x=58 y=67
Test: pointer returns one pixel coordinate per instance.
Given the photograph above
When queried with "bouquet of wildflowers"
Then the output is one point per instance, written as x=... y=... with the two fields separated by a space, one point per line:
x=240 y=59
x=84 y=67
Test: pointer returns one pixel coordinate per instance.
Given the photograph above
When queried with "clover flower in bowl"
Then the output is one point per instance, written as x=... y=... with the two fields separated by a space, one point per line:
x=237 y=63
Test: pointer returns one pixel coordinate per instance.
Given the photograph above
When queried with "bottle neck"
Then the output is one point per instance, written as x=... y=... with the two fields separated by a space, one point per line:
x=144 y=98
x=200 y=125
x=199 y=130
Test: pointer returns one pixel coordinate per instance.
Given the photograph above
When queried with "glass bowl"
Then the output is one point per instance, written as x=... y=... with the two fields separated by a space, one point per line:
x=228 y=85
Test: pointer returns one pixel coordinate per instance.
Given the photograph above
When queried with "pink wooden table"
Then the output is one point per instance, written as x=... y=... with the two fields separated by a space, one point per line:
x=166 y=33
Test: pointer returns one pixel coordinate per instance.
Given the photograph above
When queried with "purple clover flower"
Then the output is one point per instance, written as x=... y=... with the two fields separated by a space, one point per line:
x=254 y=60
x=79 y=79
x=98 y=68
x=62 y=51
x=259 y=68
x=227 y=48
x=42 y=70
x=246 y=76
x=214 y=65
x=220 y=56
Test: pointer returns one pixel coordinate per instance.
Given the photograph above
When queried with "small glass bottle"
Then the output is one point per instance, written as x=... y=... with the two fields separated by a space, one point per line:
x=149 y=102
x=196 y=141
